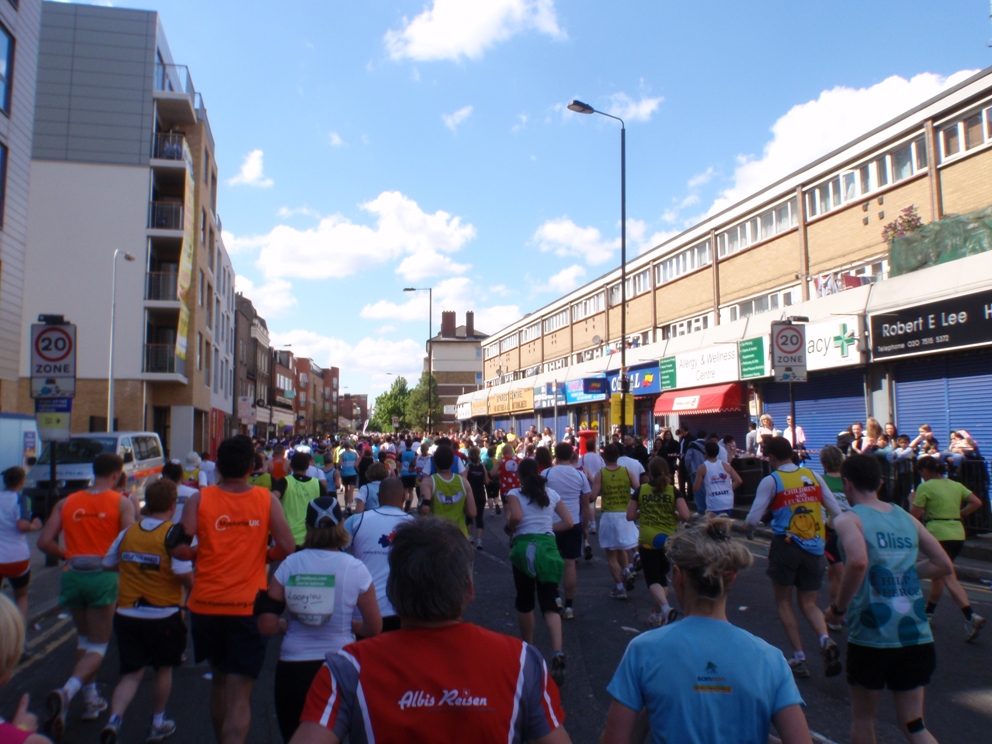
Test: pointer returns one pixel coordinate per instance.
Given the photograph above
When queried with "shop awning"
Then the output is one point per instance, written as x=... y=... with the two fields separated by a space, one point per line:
x=713 y=399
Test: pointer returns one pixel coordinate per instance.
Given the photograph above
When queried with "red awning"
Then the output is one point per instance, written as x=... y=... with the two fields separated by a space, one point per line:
x=713 y=399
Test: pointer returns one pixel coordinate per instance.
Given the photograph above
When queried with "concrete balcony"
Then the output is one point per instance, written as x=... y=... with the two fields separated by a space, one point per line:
x=175 y=95
x=169 y=150
x=166 y=217
x=162 y=364
x=162 y=286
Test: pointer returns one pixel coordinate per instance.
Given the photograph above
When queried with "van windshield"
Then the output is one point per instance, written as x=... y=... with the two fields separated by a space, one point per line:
x=78 y=451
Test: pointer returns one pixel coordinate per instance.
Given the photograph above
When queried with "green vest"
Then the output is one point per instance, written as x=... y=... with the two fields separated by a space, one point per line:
x=615 y=489
x=448 y=500
x=298 y=496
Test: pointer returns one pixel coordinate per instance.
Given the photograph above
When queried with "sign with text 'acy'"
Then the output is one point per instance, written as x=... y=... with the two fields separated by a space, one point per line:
x=789 y=352
x=53 y=360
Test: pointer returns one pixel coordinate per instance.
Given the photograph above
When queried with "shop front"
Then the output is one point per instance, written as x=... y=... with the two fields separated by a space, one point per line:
x=522 y=405
x=550 y=394
x=645 y=386
x=499 y=408
x=584 y=397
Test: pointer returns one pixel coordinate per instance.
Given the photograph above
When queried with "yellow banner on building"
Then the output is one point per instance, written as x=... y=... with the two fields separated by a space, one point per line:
x=522 y=400
x=480 y=407
x=185 y=279
x=615 y=409
x=182 y=332
x=499 y=403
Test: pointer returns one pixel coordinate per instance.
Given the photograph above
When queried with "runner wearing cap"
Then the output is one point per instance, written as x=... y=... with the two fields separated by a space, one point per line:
x=90 y=521
x=320 y=587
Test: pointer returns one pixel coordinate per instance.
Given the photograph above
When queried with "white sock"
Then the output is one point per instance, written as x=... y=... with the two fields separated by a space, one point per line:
x=620 y=587
x=823 y=640
x=665 y=609
x=157 y=719
x=799 y=656
x=90 y=693
x=71 y=687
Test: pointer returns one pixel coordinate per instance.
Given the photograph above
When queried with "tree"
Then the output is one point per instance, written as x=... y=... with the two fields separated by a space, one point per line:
x=391 y=403
x=417 y=403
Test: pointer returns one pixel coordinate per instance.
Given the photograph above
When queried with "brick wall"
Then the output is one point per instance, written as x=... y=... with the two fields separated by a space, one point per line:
x=584 y=330
x=965 y=184
x=688 y=295
x=530 y=353
x=764 y=267
x=557 y=344
x=91 y=400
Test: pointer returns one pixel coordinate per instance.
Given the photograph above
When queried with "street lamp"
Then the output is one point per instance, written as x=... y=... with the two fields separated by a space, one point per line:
x=430 y=349
x=113 y=317
x=584 y=108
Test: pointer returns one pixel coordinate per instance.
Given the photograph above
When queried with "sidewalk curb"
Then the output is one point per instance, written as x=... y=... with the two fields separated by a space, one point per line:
x=973 y=574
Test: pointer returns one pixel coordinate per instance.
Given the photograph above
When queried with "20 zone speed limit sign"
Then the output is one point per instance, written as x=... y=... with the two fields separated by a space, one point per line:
x=789 y=352
x=53 y=360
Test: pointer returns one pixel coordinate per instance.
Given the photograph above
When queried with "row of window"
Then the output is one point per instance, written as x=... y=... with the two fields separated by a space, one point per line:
x=967 y=134
x=766 y=225
x=683 y=262
x=587 y=307
x=762 y=304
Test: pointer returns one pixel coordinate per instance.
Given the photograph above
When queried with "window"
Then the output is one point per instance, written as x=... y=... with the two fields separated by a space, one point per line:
x=203 y=234
x=973 y=130
x=683 y=327
x=556 y=321
x=492 y=350
x=531 y=332
x=853 y=185
x=682 y=263
x=588 y=306
x=510 y=342
x=973 y=136
x=199 y=351
x=6 y=68
x=639 y=283
x=3 y=180
x=200 y=289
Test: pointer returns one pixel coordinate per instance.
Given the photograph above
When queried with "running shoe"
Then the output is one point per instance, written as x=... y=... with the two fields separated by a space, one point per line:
x=58 y=707
x=478 y=544
x=160 y=733
x=673 y=615
x=831 y=658
x=836 y=627
x=631 y=581
x=498 y=510
x=619 y=594
x=636 y=568
x=492 y=512
x=568 y=613
x=656 y=619
x=798 y=667
x=973 y=627
x=592 y=527
x=93 y=708
x=110 y=733
x=587 y=552
x=558 y=668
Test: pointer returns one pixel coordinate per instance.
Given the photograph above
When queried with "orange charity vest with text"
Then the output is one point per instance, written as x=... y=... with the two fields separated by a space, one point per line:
x=91 y=522
x=146 y=569
x=279 y=469
x=233 y=534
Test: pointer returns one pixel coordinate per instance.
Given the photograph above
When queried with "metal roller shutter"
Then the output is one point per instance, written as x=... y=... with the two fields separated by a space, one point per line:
x=921 y=397
x=525 y=422
x=502 y=423
x=825 y=406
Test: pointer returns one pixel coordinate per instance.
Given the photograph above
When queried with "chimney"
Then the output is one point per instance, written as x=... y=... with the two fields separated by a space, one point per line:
x=469 y=324
x=448 y=324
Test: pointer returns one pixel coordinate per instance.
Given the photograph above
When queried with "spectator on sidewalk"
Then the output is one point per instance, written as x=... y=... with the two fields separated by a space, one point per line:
x=23 y=727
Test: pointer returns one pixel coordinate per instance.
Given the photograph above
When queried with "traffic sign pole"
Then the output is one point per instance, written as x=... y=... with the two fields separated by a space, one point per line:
x=789 y=361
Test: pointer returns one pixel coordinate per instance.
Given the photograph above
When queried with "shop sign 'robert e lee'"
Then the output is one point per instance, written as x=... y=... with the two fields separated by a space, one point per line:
x=948 y=324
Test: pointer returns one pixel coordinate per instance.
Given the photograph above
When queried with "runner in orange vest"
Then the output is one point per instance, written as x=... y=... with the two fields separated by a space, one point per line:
x=232 y=523
x=90 y=521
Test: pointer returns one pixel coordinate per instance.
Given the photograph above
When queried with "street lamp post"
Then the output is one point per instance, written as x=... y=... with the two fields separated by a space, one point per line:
x=430 y=350
x=584 y=108
x=113 y=318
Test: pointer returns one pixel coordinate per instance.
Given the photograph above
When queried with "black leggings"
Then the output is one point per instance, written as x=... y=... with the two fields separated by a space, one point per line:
x=547 y=593
x=479 y=493
x=293 y=680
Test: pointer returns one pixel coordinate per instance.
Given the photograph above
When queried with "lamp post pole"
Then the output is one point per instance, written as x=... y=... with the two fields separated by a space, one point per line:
x=430 y=351
x=113 y=318
x=584 y=108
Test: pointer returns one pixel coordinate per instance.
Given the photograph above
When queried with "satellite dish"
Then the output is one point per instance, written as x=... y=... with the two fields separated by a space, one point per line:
x=597 y=340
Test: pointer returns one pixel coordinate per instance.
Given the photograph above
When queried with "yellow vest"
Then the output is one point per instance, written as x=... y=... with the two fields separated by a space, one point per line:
x=615 y=489
x=146 y=569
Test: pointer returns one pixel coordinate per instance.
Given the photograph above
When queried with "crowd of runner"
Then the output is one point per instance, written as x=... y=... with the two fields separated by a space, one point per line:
x=359 y=548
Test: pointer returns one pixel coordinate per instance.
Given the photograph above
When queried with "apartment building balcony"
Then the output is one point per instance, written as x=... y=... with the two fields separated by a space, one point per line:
x=162 y=364
x=162 y=286
x=169 y=150
x=166 y=217
x=177 y=99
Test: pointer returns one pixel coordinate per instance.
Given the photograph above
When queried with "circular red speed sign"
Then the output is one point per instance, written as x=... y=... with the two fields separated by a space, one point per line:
x=53 y=345
x=788 y=340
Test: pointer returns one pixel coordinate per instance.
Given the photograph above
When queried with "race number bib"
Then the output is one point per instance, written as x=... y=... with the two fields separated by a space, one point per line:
x=310 y=598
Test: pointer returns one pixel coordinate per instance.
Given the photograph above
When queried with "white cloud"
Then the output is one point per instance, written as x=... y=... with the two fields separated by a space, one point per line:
x=306 y=211
x=701 y=179
x=334 y=139
x=628 y=109
x=563 y=237
x=274 y=299
x=251 y=173
x=567 y=279
x=520 y=123
x=457 y=293
x=451 y=121
x=337 y=247
x=428 y=263
x=368 y=361
x=386 y=329
x=500 y=290
x=637 y=236
x=453 y=29
x=812 y=129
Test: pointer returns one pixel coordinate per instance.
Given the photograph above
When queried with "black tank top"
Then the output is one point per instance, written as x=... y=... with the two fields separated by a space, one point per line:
x=476 y=475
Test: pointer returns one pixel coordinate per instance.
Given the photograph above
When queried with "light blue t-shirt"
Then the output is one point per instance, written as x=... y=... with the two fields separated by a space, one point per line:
x=408 y=461
x=347 y=461
x=704 y=680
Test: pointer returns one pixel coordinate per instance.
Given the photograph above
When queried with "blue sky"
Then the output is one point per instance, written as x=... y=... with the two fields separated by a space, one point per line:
x=365 y=147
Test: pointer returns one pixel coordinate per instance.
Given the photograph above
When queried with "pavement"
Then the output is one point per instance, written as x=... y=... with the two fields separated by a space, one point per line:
x=959 y=701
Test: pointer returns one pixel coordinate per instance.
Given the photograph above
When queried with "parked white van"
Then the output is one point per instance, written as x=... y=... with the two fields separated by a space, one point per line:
x=140 y=450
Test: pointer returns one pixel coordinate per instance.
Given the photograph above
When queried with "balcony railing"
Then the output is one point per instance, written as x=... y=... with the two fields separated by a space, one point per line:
x=168 y=146
x=174 y=79
x=165 y=216
x=162 y=359
x=162 y=285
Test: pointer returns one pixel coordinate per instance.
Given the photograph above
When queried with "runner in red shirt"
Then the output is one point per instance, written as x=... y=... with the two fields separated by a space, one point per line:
x=422 y=683
x=506 y=471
